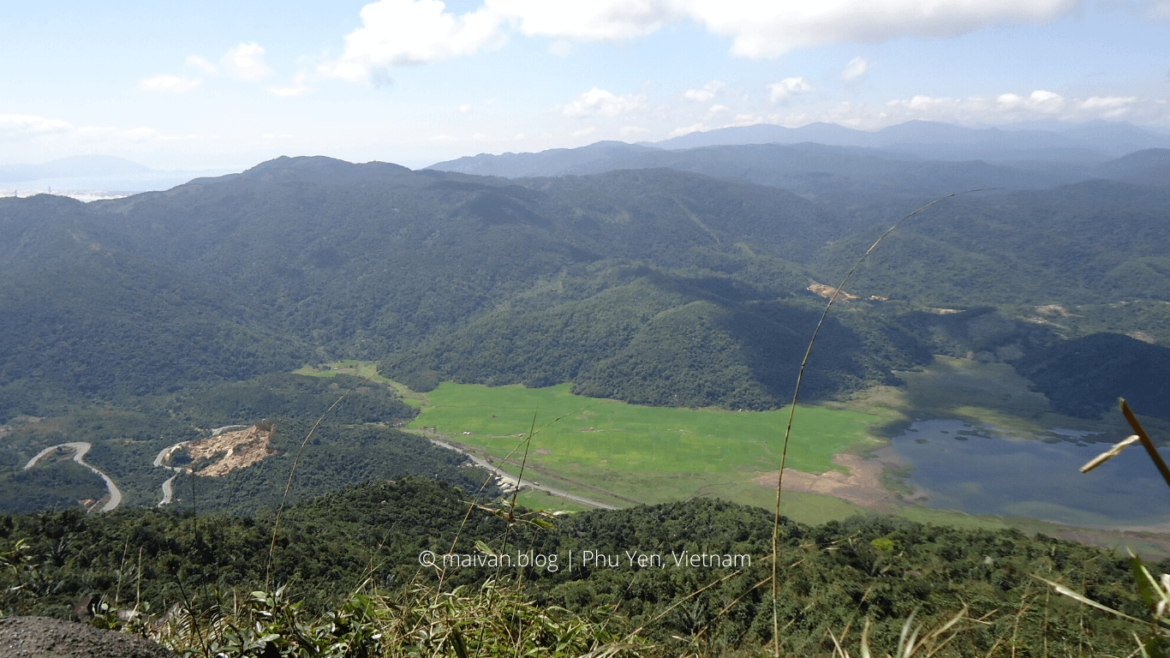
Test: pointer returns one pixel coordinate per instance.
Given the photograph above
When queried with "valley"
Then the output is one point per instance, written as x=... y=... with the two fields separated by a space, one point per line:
x=621 y=329
x=391 y=338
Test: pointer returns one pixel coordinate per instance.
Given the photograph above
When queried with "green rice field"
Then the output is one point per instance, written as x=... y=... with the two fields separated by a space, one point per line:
x=572 y=430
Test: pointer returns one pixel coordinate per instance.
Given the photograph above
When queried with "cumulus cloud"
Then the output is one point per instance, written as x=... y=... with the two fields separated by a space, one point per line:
x=706 y=93
x=171 y=84
x=411 y=33
x=599 y=102
x=246 y=62
x=416 y=32
x=780 y=91
x=583 y=132
x=771 y=29
x=599 y=20
x=197 y=62
x=856 y=68
x=716 y=109
x=632 y=131
x=1010 y=108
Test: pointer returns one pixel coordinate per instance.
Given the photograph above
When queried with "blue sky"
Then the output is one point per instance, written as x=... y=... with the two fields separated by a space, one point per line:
x=229 y=84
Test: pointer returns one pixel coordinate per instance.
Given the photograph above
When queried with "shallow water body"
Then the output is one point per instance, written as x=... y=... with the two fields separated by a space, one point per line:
x=971 y=469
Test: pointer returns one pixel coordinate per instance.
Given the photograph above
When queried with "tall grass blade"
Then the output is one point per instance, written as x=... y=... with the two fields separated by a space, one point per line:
x=292 y=471
x=796 y=396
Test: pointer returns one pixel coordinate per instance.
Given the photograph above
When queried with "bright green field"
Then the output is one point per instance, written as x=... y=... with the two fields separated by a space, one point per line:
x=572 y=430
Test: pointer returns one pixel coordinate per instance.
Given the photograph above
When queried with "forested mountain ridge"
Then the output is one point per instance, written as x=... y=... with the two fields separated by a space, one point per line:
x=592 y=279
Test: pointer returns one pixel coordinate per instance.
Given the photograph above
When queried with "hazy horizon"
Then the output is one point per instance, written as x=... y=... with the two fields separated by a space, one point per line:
x=220 y=86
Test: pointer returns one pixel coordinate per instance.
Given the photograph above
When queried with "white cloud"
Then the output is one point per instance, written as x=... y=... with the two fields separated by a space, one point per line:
x=171 y=84
x=288 y=92
x=583 y=132
x=745 y=120
x=780 y=91
x=411 y=33
x=416 y=32
x=771 y=29
x=856 y=68
x=246 y=62
x=632 y=131
x=716 y=109
x=1011 y=108
x=20 y=127
x=686 y=130
x=203 y=65
x=706 y=93
x=464 y=109
x=601 y=102
x=298 y=88
x=599 y=20
x=29 y=128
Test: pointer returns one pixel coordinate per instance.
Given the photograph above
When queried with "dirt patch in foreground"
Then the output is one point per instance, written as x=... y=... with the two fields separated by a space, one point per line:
x=862 y=486
x=239 y=449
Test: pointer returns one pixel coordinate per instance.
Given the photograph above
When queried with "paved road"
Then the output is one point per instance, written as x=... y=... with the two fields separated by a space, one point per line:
x=512 y=480
x=168 y=492
x=82 y=448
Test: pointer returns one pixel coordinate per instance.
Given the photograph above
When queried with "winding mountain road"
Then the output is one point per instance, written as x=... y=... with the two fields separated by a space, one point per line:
x=82 y=447
x=167 y=490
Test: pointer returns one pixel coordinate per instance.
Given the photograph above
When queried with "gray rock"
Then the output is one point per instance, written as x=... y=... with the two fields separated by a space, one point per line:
x=41 y=637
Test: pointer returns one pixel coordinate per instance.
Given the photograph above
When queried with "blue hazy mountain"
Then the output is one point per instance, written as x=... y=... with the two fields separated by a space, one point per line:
x=91 y=172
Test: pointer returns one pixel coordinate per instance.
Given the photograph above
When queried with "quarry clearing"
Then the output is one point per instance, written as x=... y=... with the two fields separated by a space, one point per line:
x=239 y=449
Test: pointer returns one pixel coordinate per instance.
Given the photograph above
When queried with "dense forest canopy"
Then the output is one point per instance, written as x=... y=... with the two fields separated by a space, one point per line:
x=543 y=280
x=881 y=569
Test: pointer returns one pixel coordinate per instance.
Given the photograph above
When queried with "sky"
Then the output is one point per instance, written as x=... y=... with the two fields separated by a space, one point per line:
x=226 y=85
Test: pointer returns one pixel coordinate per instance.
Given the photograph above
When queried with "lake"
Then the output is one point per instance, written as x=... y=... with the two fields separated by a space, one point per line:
x=972 y=469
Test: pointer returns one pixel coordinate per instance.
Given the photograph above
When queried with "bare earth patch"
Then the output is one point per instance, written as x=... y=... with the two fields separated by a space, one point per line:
x=862 y=486
x=243 y=448
x=827 y=291
x=1142 y=336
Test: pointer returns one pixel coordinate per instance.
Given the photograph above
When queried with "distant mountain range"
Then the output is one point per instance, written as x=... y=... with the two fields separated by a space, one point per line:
x=910 y=151
x=1096 y=140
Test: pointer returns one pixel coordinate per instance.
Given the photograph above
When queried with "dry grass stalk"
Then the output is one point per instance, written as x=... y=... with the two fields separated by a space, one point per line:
x=796 y=396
